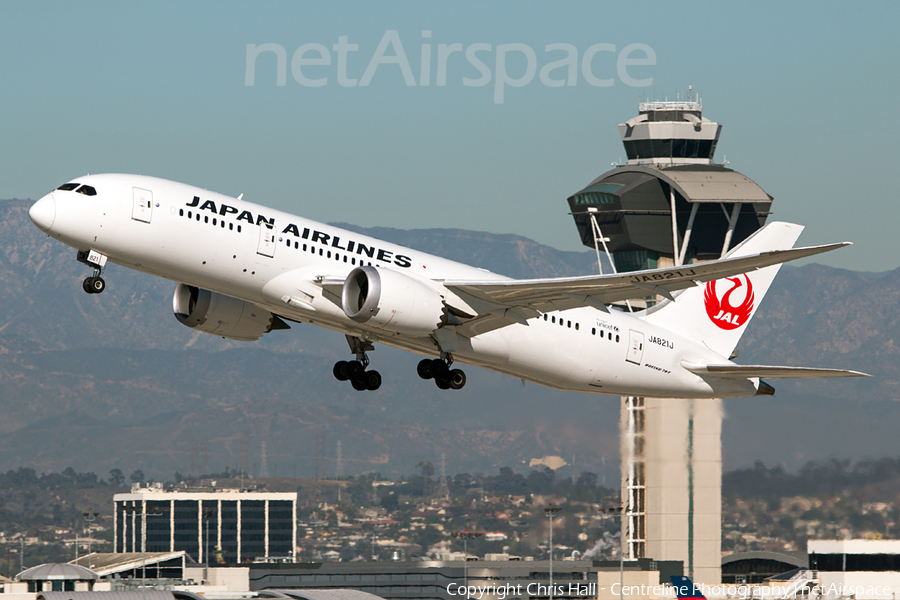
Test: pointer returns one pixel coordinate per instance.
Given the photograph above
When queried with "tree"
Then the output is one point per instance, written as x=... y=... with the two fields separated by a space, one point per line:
x=117 y=477
x=137 y=476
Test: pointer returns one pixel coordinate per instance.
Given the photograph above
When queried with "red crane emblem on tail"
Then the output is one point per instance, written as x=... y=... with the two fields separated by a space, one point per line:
x=721 y=311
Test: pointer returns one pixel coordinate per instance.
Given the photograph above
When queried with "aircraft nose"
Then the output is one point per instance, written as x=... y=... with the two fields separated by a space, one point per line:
x=43 y=212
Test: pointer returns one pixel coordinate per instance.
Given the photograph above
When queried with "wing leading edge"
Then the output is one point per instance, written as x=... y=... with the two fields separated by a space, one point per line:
x=546 y=295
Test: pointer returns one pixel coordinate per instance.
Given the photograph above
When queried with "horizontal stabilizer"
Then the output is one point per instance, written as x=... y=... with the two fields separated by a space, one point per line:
x=747 y=371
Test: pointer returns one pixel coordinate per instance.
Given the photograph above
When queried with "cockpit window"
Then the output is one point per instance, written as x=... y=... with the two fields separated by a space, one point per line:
x=68 y=187
x=87 y=190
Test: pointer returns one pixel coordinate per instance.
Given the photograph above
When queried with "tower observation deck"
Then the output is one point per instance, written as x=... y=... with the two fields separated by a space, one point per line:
x=670 y=203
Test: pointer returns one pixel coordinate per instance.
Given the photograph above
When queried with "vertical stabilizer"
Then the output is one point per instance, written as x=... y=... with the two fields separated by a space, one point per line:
x=717 y=313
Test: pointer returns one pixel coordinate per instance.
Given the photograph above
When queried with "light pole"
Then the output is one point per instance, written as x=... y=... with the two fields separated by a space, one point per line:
x=207 y=513
x=465 y=535
x=551 y=510
x=618 y=510
x=89 y=517
x=145 y=512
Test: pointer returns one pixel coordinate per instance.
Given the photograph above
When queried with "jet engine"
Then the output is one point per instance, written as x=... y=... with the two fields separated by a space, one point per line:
x=391 y=301
x=222 y=315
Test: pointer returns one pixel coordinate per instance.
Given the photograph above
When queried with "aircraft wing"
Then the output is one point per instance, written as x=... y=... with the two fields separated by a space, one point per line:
x=746 y=371
x=528 y=295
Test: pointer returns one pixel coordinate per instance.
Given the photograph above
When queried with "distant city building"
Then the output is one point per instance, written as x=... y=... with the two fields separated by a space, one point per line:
x=863 y=569
x=211 y=525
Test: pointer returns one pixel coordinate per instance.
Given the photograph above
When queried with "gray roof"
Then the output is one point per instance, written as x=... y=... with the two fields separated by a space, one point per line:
x=701 y=183
x=797 y=559
x=54 y=571
x=314 y=594
x=139 y=595
x=106 y=563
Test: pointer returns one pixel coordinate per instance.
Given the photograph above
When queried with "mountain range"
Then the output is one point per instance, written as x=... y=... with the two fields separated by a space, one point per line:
x=108 y=381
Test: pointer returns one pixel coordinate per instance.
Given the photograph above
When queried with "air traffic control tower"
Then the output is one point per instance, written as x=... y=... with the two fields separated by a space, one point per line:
x=670 y=204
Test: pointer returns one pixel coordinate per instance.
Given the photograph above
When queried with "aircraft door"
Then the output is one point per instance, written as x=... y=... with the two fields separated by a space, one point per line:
x=143 y=205
x=635 y=347
x=266 y=240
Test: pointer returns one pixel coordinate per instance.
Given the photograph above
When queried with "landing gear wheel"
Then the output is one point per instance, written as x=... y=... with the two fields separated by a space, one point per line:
x=372 y=380
x=355 y=369
x=442 y=382
x=341 y=370
x=94 y=285
x=457 y=379
x=439 y=368
x=424 y=368
x=359 y=385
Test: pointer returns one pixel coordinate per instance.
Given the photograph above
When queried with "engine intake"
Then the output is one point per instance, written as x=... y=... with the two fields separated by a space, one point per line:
x=391 y=301
x=222 y=315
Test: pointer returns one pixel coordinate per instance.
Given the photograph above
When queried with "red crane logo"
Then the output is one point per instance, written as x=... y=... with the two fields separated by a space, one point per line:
x=720 y=309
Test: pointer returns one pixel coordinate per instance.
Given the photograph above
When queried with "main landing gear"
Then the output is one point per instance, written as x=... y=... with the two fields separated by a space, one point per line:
x=93 y=284
x=355 y=370
x=439 y=370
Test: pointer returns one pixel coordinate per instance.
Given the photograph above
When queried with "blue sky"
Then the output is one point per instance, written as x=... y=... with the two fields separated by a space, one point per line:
x=804 y=90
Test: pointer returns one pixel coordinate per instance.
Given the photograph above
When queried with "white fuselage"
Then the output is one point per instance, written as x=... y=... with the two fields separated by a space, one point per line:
x=222 y=244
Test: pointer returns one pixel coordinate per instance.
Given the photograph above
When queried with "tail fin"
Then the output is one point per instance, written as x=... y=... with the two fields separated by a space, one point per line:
x=717 y=313
x=685 y=589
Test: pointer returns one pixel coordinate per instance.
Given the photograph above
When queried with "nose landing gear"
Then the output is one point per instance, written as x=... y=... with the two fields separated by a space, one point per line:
x=355 y=370
x=439 y=370
x=93 y=284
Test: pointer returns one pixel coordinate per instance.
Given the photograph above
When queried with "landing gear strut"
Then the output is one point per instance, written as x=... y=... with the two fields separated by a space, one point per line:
x=93 y=284
x=439 y=370
x=355 y=370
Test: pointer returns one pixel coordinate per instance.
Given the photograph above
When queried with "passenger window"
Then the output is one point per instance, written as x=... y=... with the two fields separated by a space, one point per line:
x=576 y=326
x=231 y=227
x=180 y=212
x=553 y=319
x=353 y=261
x=68 y=187
x=617 y=339
x=304 y=247
x=239 y=228
x=593 y=331
x=214 y=222
x=569 y=324
x=545 y=316
x=87 y=190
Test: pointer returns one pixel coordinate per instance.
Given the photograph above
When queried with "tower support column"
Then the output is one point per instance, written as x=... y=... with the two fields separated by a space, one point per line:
x=672 y=483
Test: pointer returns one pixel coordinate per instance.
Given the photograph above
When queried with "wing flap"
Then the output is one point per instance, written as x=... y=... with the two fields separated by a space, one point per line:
x=769 y=372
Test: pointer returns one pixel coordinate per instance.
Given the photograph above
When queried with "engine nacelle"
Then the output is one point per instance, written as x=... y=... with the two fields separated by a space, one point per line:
x=391 y=301
x=222 y=315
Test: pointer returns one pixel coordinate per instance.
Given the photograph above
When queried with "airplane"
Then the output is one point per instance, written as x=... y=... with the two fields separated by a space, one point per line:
x=243 y=270
x=685 y=588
